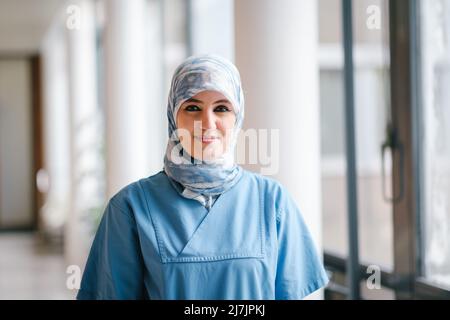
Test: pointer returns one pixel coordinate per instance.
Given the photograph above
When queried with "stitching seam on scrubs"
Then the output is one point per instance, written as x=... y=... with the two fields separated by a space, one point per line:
x=244 y=255
x=278 y=217
x=121 y=210
x=312 y=287
x=161 y=249
x=261 y=220
x=199 y=227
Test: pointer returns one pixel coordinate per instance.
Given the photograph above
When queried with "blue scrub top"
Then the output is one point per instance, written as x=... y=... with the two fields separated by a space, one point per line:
x=152 y=243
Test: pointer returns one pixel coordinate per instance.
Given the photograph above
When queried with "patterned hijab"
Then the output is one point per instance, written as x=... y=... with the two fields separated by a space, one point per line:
x=194 y=75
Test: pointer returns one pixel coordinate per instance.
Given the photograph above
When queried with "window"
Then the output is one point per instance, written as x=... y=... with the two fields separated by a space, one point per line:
x=435 y=140
x=372 y=113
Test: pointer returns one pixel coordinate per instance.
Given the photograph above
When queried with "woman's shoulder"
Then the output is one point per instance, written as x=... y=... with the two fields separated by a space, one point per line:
x=273 y=190
x=133 y=193
x=265 y=181
x=270 y=186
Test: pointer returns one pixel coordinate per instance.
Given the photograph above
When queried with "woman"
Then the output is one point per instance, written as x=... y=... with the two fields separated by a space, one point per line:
x=202 y=228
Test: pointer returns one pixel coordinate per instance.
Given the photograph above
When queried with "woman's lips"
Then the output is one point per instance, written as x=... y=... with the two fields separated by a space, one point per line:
x=204 y=139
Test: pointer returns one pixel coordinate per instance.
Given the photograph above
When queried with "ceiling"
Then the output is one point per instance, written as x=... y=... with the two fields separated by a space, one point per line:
x=23 y=24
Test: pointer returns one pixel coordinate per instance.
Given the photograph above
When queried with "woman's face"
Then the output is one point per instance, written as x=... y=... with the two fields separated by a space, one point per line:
x=205 y=125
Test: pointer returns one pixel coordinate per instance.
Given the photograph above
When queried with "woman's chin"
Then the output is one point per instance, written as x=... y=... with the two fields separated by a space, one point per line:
x=208 y=155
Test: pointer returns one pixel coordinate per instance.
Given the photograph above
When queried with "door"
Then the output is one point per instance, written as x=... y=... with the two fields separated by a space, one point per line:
x=16 y=147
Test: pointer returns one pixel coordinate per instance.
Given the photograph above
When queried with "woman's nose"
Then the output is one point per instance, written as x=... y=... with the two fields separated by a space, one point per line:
x=209 y=120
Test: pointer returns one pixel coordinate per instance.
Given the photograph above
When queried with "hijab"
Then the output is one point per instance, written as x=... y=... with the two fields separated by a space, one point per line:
x=196 y=74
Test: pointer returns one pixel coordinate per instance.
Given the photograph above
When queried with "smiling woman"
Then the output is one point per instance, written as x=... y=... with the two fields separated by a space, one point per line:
x=203 y=228
x=206 y=122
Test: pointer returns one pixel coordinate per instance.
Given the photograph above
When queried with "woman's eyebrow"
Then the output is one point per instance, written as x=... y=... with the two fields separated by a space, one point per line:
x=200 y=101
x=194 y=100
x=222 y=101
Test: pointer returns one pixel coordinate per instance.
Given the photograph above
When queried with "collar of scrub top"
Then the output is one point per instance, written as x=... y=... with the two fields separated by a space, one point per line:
x=206 y=200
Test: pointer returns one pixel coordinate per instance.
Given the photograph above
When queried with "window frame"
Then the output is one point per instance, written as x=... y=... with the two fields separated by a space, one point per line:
x=406 y=279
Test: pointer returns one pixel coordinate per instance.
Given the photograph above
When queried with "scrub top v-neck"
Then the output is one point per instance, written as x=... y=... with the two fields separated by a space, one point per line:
x=154 y=243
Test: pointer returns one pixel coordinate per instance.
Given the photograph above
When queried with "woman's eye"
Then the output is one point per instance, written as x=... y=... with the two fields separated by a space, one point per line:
x=222 y=109
x=192 y=108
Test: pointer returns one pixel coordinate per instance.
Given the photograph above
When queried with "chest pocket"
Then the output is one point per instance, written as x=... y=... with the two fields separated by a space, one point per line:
x=232 y=229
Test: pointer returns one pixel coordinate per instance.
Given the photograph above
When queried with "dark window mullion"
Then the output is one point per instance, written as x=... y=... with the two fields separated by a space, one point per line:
x=352 y=195
x=403 y=60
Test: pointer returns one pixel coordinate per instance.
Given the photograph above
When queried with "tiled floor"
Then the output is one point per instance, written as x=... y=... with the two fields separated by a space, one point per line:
x=29 y=270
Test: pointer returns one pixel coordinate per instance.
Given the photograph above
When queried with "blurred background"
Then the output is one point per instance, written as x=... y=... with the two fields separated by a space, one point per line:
x=83 y=91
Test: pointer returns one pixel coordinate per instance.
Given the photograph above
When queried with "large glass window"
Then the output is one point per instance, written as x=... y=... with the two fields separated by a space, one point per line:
x=435 y=140
x=372 y=116
x=372 y=110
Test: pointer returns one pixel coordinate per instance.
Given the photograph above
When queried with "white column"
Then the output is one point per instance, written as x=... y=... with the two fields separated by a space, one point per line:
x=277 y=55
x=133 y=135
x=86 y=135
x=157 y=122
x=211 y=27
x=55 y=176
